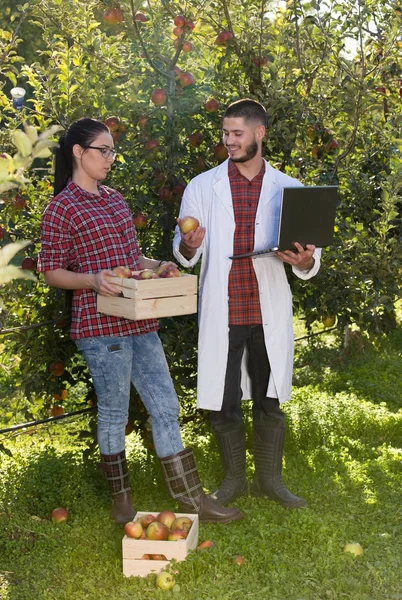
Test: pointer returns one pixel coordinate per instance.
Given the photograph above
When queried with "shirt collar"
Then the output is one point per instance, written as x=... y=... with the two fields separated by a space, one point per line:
x=76 y=189
x=234 y=171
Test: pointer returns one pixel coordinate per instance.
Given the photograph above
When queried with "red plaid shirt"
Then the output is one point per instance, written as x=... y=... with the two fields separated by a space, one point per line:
x=86 y=233
x=244 y=297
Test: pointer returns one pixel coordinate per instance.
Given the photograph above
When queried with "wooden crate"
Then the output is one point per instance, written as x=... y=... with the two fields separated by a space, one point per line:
x=134 y=550
x=151 y=298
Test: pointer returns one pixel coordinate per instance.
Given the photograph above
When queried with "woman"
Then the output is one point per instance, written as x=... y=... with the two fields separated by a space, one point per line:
x=86 y=230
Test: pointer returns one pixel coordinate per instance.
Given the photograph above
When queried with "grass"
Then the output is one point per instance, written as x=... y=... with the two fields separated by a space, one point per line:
x=343 y=454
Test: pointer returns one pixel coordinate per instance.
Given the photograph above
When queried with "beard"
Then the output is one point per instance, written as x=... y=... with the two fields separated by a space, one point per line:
x=251 y=151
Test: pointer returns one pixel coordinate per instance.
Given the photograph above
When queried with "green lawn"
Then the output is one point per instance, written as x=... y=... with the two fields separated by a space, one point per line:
x=343 y=453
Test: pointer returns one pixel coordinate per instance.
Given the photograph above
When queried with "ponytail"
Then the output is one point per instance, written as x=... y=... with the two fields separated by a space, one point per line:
x=82 y=132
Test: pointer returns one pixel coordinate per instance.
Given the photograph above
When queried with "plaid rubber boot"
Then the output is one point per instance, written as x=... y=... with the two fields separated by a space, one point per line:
x=269 y=440
x=116 y=471
x=181 y=477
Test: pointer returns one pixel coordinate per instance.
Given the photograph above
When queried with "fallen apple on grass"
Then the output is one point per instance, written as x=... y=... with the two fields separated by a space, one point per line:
x=165 y=581
x=237 y=559
x=355 y=548
x=205 y=545
x=60 y=515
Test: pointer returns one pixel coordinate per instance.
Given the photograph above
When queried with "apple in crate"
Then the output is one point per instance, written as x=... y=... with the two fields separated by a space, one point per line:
x=166 y=517
x=157 y=531
x=147 y=519
x=177 y=534
x=124 y=272
x=133 y=529
x=181 y=523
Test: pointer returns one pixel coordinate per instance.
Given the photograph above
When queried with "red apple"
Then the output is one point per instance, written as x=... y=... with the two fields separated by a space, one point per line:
x=151 y=144
x=146 y=274
x=223 y=37
x=333 y=144
x=145 y=557
x=220 y=152
x=187 y=46
x=179 y=188
x=30 y=264
x=170 y=271
x=211 y=105
x=133 y=529
x=179 y=20
x=112 y=15
x=166 y=517
x=19 y=202
x=157 y=531
x=59 y=515
x=205 y=545
x=165 y=581
x=2 y=232
x=139 y=16
x=380 y=89
x=140 y=221
x=189 y=25
x=237 y=559
x=181 y=523
x=147 y=519
x=195 y=139
x=165 y=193
x=113 y=123
x=178 y=31
x=177 y=534
x=188 y=224
x=186 y=78
x=158 y=96
x=56 y=368
x=157 y=557
x=142 y=121
x=57 y=411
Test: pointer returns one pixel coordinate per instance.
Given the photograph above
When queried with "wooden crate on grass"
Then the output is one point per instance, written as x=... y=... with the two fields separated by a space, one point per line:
x=151 y=298
x=134 y=550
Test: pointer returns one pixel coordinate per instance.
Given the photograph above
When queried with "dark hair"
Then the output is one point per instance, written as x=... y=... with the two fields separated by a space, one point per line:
x=249 y=110
x=82 y=132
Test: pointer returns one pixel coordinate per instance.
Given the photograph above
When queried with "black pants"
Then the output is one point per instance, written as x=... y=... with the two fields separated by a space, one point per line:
x=252 y=338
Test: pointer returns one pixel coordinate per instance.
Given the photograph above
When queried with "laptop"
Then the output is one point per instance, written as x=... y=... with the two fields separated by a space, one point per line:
x=307 y=216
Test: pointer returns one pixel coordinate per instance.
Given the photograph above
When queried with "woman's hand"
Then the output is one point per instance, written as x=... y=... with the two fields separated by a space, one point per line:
x=103 y=285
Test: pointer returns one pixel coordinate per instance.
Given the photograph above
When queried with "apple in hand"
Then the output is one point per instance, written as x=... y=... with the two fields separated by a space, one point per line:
x=59 y=515
x=165 y=581
x=157 y=531
x=133 y=529
x=188 y=224
x=166 y=517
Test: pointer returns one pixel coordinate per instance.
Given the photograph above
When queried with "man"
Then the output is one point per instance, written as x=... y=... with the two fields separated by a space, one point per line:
x=245 y=305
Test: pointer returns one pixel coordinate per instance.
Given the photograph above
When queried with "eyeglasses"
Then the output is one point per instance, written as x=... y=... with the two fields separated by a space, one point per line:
x=106 y=152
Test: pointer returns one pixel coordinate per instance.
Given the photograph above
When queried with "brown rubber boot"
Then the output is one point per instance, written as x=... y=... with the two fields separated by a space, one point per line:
x=115 y=468
x=181 y=477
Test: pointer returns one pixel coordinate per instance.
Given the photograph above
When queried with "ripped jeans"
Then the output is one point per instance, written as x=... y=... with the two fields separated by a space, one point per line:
x=113 y=363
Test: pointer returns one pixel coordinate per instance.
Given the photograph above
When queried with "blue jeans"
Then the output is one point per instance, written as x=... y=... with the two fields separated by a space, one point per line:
x=113 y=363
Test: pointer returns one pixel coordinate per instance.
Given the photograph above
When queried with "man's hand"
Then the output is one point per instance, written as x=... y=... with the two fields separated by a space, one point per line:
x=102 y=283
x=191 y=241
x=302 y=259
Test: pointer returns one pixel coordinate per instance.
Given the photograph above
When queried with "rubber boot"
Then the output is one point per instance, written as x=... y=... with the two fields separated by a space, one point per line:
x=116 y=471
x=181 y=477
x=269 y=439
x=232 y=450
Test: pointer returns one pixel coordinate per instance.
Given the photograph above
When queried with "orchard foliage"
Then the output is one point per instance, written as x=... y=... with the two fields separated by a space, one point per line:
x=329 y=75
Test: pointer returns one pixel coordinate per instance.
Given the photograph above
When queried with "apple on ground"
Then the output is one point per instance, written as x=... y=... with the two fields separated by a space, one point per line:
x=354 y=548
x=123 y=272
x=181 y=523
x=238 y=559
x=165 y=581
x=157 y=531
x=133 y=529
x=166 y=517
x=205 y=545
x=147 y=519
x=59 y=515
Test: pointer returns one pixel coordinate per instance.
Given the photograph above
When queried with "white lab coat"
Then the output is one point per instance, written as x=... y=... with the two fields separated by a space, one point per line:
x=208 y=198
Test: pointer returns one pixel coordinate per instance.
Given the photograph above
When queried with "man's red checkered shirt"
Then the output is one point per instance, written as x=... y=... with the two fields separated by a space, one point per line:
x=244 y=297
x=86 y=233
